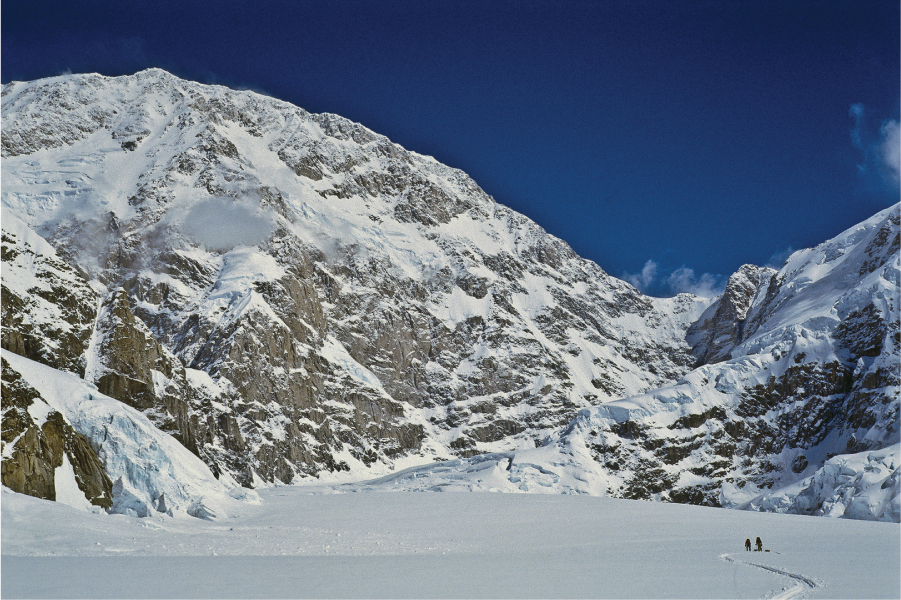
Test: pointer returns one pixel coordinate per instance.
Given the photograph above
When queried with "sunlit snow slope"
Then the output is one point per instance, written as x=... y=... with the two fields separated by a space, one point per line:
x=802 y=419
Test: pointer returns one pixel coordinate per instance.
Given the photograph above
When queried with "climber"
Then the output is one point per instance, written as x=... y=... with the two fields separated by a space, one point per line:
x=759 y=545
x=748 y=544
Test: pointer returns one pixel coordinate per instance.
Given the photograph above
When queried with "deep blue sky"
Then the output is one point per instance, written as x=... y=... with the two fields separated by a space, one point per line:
x=696 y=134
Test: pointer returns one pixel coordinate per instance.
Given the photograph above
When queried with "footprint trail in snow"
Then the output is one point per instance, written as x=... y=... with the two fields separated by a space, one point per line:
x=802 y=583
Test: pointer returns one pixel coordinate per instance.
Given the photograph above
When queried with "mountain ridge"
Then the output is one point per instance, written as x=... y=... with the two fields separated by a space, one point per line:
x=290 y=294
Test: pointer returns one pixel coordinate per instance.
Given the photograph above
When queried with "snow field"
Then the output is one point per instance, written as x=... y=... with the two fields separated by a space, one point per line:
x=312 y=542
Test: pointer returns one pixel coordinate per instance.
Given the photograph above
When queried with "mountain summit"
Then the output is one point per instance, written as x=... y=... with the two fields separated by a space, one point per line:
x=290 y=294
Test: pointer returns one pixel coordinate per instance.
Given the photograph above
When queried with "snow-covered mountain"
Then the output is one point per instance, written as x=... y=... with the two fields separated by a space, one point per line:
x=289 y=294
x=802 y=418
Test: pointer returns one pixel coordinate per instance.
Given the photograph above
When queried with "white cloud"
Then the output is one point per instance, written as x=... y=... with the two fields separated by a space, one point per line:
x=857 y=112
x=684 y=281
x=221 y=224
x=880 y=150
x=777 y=260
x=889 y=150
x=642 y=280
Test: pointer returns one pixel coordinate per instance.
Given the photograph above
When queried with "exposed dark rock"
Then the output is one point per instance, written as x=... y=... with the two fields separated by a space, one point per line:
x=721 y=327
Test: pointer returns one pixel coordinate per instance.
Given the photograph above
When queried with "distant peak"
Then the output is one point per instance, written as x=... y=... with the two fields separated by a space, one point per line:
x=155 y=71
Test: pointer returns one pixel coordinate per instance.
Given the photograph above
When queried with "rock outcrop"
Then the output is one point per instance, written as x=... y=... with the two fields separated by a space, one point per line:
x=815 y=376
x=48 y=308
x=721 y=327
x=802 y=419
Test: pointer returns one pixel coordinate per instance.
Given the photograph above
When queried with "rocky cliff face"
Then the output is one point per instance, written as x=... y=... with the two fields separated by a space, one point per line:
x=722 y=326
x=48 y=308
x=64 y=440
x=289 y=294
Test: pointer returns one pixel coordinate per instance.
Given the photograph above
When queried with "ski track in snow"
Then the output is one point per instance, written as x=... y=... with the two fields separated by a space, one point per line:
x=802 y=583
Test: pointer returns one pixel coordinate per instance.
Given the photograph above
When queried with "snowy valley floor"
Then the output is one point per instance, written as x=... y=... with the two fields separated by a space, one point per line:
x=381 y=544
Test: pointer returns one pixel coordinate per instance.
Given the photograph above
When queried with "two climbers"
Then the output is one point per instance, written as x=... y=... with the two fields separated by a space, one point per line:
x=759 y=545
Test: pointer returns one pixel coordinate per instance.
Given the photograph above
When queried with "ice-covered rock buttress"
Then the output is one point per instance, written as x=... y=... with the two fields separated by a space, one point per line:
x=38 y=440
x=813 y=380
x=142 y=470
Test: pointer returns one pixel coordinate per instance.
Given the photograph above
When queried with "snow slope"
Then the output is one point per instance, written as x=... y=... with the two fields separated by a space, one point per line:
x=858 y=486
x=378 y=545
x=253 y=238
